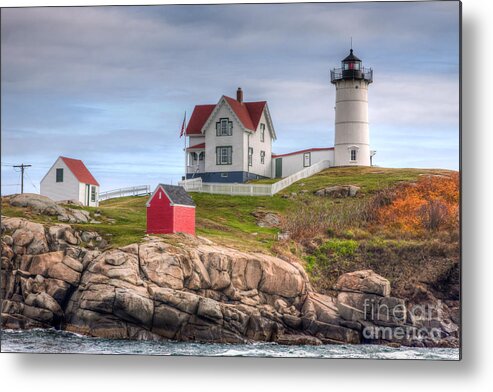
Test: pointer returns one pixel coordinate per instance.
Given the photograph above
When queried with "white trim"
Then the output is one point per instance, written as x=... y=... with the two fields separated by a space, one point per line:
x=152 y=195
x=181 y=205
x=269 y=120
x=167 y=195
x=222 y=101
x=52 y=166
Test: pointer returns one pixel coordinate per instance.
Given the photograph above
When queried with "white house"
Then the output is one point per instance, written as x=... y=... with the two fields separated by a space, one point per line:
x=231 y=141
x=69 y=179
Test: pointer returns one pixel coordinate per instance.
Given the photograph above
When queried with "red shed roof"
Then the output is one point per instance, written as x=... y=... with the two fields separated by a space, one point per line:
x=80 y=171
x=248 y=113
x=302 y=151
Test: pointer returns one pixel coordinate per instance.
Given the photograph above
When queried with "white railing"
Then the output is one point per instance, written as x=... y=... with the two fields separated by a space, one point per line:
x=138 y=190
x=196 y=184
x=307 y=172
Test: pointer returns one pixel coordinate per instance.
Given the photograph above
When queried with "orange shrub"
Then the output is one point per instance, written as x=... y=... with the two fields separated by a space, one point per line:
x=432 y=204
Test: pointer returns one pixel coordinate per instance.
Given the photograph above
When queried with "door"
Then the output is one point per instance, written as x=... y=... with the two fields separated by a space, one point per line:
x=278 y=167
x=88 y=193
x=307 y=159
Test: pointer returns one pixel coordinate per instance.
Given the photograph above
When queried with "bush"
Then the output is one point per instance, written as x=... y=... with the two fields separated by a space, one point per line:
x=339 y=247
x=430 y=204
x=318 y=217
x=434 y=215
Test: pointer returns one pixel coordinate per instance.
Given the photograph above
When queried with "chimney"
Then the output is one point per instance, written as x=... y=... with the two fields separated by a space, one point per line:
x=239 y=95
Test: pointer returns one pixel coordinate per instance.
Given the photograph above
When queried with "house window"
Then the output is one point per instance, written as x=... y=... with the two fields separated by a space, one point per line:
x=224 y=127
x=307 y=159
x=224 y=155
x=250 y=156
x=262 y=157
x=201 y=155
x=59 y=175
x=224 y=175
x=194 y=156
x=262 y=132
x=353 y=155
x=93 y=193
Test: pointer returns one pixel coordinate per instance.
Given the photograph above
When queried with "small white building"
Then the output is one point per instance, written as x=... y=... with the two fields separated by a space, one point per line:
x=287 y=164
x=69 y=179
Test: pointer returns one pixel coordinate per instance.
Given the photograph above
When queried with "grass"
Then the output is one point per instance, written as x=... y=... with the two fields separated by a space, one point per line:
x=228 y=220
x=370 y=179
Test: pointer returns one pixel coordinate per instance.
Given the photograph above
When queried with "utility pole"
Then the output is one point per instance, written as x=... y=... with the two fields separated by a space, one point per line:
x=22 y=167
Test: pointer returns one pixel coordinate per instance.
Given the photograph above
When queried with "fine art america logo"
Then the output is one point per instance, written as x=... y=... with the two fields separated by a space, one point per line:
x=396 y=322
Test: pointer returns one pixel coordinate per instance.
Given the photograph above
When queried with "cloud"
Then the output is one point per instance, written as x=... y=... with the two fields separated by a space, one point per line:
x=109 y=84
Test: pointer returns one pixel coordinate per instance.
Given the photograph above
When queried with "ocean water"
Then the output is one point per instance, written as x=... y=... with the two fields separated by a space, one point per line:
x=51 y=341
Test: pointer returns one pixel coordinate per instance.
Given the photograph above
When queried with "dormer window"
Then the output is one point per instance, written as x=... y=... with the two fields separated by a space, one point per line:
x=224 y=127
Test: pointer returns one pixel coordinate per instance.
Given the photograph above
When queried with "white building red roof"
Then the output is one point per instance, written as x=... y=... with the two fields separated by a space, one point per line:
x=80 y=171
x=249 y=114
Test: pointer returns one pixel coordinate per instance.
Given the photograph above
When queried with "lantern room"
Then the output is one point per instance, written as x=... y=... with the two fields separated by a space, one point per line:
x=351 y=66
x=351 y=69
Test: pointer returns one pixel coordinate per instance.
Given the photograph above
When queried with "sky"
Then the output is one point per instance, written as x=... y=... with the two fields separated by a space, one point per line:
x=110 y=85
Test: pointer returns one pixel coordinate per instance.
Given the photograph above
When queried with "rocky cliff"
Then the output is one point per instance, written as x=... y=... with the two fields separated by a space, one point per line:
x=189 y=289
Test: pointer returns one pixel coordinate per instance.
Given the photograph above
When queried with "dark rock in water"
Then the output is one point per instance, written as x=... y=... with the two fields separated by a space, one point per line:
x=298 y=340
x=195 y=292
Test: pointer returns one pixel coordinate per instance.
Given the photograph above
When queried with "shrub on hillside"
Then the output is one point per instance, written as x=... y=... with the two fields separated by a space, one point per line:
x=432 y=203
x=320 y=217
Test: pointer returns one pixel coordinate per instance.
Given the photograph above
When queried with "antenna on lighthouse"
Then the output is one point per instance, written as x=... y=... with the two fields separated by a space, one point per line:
x=351 y=43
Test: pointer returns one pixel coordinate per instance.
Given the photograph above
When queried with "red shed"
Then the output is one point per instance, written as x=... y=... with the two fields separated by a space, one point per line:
x=170 y=209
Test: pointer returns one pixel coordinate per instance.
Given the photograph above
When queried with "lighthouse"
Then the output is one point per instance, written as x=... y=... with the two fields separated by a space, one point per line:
x=352 y=134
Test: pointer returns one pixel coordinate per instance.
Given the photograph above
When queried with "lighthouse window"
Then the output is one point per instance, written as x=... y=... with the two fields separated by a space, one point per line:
x=353 y=155
x=352 y=66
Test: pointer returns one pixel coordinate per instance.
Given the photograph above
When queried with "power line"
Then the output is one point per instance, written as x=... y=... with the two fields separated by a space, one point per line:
x=22 y=167
x=31 y=181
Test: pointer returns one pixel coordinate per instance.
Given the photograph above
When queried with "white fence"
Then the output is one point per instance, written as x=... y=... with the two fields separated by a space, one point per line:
x=138 y=190
x=196 y=184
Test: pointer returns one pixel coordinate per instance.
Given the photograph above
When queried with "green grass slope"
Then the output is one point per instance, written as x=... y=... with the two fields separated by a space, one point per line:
x=228 y=220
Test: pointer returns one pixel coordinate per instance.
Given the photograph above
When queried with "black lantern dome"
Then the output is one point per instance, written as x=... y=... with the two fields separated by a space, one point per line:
x=351 y=69
x=351 y=57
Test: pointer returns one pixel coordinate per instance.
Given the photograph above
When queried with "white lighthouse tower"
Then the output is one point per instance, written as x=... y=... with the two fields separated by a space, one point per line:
x=352 y=135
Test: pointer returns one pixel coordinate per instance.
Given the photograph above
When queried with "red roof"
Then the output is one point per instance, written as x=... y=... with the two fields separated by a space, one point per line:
x=249 y=113
x=200 y=145
x=80 y=171
x=199 y=116
x=302 y=151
